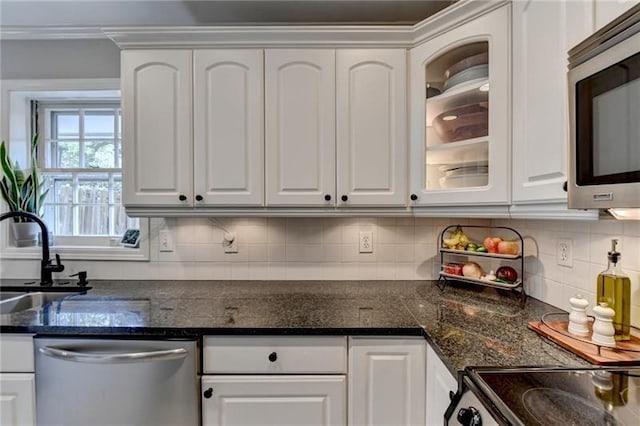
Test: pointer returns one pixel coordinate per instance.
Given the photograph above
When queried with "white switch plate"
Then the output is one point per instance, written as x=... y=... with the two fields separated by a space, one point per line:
x=366 y=241
x=165 y=240
x=564 y=252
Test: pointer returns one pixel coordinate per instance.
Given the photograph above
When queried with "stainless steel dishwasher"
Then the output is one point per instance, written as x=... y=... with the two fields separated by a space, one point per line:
x=116 y=382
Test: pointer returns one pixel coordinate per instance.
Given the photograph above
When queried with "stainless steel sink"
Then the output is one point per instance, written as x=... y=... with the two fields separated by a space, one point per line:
x=12 y=302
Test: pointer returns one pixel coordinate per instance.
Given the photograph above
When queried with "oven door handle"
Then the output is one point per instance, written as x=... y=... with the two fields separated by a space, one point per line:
x=114 y=358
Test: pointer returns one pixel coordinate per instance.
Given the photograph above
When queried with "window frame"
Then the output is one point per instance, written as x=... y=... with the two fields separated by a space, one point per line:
x=16 y=120
x=45 y=111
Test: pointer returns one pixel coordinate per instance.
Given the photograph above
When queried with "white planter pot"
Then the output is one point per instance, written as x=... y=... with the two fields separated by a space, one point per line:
x=25 y=234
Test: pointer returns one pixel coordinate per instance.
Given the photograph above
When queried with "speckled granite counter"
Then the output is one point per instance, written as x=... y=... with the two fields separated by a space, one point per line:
x=466 y=326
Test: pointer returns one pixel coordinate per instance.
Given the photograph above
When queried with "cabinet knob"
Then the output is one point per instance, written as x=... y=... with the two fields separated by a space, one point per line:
x=182 y=197
x=199 y=197
x=469 y=417
x=564 y=186
x=413 y=197
x=327 y=197
x=273 y=357
x=208 y=393
x=344 y=198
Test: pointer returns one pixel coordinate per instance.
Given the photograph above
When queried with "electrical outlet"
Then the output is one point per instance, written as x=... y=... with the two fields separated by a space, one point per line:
x=366 y=242
x=165 y=240
x=564 y=252
x=230 y=243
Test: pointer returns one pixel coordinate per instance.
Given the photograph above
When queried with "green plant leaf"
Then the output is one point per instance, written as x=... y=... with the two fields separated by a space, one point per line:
x=9 y=173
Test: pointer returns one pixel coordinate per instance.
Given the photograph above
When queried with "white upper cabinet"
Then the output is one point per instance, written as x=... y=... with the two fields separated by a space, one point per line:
x=371 y=127
x=193 y=143
x=540 y=101
x=335 y=127
x=300 y=126
x=228 y=127
x=460 y=114
x=157 y=140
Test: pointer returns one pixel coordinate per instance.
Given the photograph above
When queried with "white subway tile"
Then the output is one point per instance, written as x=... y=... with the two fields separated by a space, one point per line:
x=258 y=270
x=405 y=271
x=404 y=253
x=276 y=253
x=387 y=234
x=332 y=253
x=258 y=252
x=240 y=271
x=385 y=271
x=368 y=271
x=386 y=252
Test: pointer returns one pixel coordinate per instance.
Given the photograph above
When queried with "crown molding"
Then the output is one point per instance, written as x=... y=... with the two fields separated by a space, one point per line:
x=50 y=33
x=261 y=36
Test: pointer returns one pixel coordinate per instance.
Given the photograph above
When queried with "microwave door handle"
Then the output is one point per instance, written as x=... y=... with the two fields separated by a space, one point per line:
x=117 y=358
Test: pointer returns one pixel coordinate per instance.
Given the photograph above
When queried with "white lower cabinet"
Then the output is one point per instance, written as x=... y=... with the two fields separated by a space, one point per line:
x=17 y=399
x=17 y=381
x=274 y=380
x=386 y=381
x=273 y=400
x=440 y=382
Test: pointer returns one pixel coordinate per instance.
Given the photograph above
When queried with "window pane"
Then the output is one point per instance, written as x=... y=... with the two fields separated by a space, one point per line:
x=99 y=124
x=99 y=154
x=67 y=125
x=93 y=220
x=94 y=191
x=68 y=154
x=63 y=221
x=122 y=222
x=62 y=192
x=117 y=191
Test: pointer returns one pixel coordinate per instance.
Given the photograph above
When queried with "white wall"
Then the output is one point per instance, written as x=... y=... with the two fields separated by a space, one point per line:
x=48 y=59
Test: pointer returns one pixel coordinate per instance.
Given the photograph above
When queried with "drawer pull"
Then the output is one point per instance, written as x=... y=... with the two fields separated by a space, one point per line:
x=208 y=393
x=273 y=357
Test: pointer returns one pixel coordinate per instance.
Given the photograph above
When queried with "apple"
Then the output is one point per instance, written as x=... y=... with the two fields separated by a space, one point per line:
x=508 y=247
x=491 y=244
x=507 y=273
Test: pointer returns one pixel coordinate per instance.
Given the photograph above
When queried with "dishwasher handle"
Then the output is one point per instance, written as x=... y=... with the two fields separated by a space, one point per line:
x=115 y=358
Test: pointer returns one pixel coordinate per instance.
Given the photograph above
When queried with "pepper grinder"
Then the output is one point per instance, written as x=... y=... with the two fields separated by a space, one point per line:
x=578 y=321
x=603 y=330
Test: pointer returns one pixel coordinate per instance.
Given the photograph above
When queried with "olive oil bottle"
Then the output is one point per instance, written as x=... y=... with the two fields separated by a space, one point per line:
x=614 y=289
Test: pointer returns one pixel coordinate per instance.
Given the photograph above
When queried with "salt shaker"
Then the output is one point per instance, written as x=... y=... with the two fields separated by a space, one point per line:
x=603 y=330
x=578 y=321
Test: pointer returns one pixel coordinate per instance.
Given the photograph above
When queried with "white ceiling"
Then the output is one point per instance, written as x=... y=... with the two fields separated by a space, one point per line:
x=17 y=14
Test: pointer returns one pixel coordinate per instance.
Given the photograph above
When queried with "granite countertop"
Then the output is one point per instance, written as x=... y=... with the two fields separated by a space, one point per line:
x=465 y=325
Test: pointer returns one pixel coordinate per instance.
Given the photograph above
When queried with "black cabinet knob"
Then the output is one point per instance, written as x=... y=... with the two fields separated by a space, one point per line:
x=564 y=186
x=208 y=393
x=327 y=197
x=344 y=198
x=199 y=197
x=469 y=417
x=413 y=197
x=273 y=357
x=182 y=197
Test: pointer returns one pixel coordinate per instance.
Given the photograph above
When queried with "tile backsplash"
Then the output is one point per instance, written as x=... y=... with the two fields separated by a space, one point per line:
x=328 y=249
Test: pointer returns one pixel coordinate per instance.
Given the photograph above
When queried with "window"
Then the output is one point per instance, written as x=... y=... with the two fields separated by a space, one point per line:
x=80 y=154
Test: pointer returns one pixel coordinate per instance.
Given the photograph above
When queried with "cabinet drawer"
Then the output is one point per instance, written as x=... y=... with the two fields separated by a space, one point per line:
x=16 y=353
x=275 y=354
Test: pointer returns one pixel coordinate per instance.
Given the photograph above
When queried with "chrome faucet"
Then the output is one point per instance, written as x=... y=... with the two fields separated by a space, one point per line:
x=46 y=267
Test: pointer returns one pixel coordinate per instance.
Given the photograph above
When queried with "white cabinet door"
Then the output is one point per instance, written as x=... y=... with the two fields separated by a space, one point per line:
x=439 y=383
x=608 y=10
x=300 y=126
x=371 y=126
x=17 y=399
x=273 y=400
x=386 y=381
x=228 y=127
x=483 y=156
x=157 y=127
x=540 y=101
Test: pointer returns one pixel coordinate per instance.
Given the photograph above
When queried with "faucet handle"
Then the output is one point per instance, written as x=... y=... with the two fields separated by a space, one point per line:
x=82 y=278
x=58 y=267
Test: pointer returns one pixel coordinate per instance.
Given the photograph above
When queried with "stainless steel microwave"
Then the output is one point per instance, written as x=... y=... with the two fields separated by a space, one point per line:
x=604 y=105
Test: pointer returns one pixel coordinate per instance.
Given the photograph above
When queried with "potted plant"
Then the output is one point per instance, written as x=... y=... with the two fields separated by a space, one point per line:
x=22 y=190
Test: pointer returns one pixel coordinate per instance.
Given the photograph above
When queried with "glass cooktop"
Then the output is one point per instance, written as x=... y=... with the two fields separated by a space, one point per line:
x=538 y=396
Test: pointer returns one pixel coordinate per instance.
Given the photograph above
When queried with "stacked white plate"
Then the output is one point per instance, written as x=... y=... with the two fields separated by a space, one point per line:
x=464 y=176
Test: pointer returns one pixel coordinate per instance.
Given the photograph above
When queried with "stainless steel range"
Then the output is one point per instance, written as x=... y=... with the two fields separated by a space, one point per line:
x=547 y=396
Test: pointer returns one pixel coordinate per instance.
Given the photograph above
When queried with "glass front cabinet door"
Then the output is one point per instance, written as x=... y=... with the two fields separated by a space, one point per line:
x=460 y=114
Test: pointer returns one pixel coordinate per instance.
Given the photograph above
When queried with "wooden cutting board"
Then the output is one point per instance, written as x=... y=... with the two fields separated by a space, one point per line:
x=623 y=354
